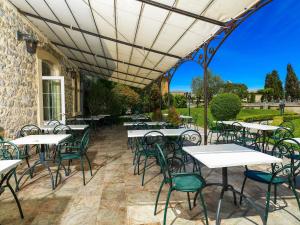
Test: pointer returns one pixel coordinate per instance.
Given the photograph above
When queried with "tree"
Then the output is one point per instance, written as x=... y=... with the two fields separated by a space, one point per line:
x=125 y=96
x=240 y=90
x=291 y=84
x=273 y=81
x=215 y=84
x=155 y=97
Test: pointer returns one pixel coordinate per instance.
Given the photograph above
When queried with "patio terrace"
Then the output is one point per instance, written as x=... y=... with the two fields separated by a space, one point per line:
x=115 y=196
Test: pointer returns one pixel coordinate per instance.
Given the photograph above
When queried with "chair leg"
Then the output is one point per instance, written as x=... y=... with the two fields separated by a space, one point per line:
x=144 y=170
x=82 y=168
x=57 y=172
x=204 y=206
x=242 y=191
x=158 y=194
x=167 y=204
x=16 y=198
x=189 y=200
x=89 y=162
x=275 y=193
x=267 y=204
x=27 y=162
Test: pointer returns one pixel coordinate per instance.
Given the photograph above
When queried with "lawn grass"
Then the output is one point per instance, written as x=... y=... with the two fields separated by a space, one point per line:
x=197 y=113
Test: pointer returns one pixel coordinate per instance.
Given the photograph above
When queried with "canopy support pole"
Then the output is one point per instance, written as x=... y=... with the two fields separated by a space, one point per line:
x=205 y=79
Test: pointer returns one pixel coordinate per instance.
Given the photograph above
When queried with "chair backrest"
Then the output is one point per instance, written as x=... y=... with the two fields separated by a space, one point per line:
x=152 y=138
x=140 y=126
x=30 y=129
x=286 y=149
x=163 y=163
x=85 y=141
x=53 y=123
x=288 y=124
x=8 y=151
x=189 y=138
x=281 y=133
x=62 y=129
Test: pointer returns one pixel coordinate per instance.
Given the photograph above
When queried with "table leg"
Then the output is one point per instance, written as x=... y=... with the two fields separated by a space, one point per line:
x=6 y=178
x=264 y=141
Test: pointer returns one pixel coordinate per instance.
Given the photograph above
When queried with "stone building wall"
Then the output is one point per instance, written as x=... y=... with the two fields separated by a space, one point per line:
x=18 y=72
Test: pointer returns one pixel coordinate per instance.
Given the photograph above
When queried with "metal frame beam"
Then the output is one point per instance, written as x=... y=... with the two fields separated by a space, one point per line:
x=117 y=78
x=104 y=57
x=97 y=35
x=183 y=12
x=101 y=67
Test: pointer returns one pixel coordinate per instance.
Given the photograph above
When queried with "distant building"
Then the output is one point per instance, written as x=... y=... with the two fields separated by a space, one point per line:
x=257 y=95
x=178 y=92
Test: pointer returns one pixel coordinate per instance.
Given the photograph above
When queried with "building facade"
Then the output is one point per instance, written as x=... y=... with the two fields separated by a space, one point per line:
x=34 y=88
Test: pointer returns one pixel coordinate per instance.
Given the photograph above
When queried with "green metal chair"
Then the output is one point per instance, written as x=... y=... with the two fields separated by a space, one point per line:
x=243 y=136
x=182 y=182
x=289 y=125
x=188 y=138
x=146 y=149
x=9 y=151
x=280 y=172
x=66 y=152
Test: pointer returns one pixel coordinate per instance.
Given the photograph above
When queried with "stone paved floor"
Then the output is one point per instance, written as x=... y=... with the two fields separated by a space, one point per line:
x=115 y=196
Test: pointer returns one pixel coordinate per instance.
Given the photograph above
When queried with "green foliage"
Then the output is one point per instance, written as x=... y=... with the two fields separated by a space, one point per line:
x=97 y=97
x=156 y=115
x=291 y=84
x=215 y=84
x=126 y=97
x=240 y=90
x=166 y=98
x=155 y=96
x=180 y=101
x=277 y=120
x=173 y=117
x=251 y=114
x=225 y=106
x=267 y=116
x=273 y=82
x=251 y=98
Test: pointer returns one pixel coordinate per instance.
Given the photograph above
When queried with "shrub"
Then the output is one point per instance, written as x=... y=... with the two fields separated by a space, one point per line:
x=173 y=117
x=225 y=106
x=180 y=101
x=156 y=115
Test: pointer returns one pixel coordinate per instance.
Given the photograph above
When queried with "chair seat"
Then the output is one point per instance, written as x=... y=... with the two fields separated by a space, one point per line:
x=264 y=177
x=187 y=183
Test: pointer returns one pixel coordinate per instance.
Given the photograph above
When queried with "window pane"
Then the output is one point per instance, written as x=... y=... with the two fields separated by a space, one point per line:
x=52 y=100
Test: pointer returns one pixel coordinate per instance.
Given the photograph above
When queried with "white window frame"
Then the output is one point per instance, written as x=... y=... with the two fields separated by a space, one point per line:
x=62 y=89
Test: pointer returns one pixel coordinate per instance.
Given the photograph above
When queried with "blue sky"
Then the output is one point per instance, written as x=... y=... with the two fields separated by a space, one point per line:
x=269 y=39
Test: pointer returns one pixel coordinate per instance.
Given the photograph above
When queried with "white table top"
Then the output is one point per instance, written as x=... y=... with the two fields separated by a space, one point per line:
x=185 y=117
x=166 y=132
x=296 y=139
x=48 y=139
x=148 y=123
x=6 y=165
x=229 y=155
x=73 y=127
x=255 y=126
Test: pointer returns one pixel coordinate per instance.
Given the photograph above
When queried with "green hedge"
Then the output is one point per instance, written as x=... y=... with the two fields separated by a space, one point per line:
x=286 y=117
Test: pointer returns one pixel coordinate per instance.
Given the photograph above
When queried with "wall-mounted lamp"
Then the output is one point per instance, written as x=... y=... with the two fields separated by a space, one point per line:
x=31 y=43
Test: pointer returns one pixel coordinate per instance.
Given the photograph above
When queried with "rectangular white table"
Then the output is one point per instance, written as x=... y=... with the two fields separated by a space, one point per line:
x=130 y=124
x=165 y=132
x=228 y=155
x=7 y=168
x=50 y=128
x=255 y=126
x=7 y=165
x=42 y=140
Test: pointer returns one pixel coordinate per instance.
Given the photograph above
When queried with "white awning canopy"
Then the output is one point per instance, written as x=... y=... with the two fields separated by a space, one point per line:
x=129 y=41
